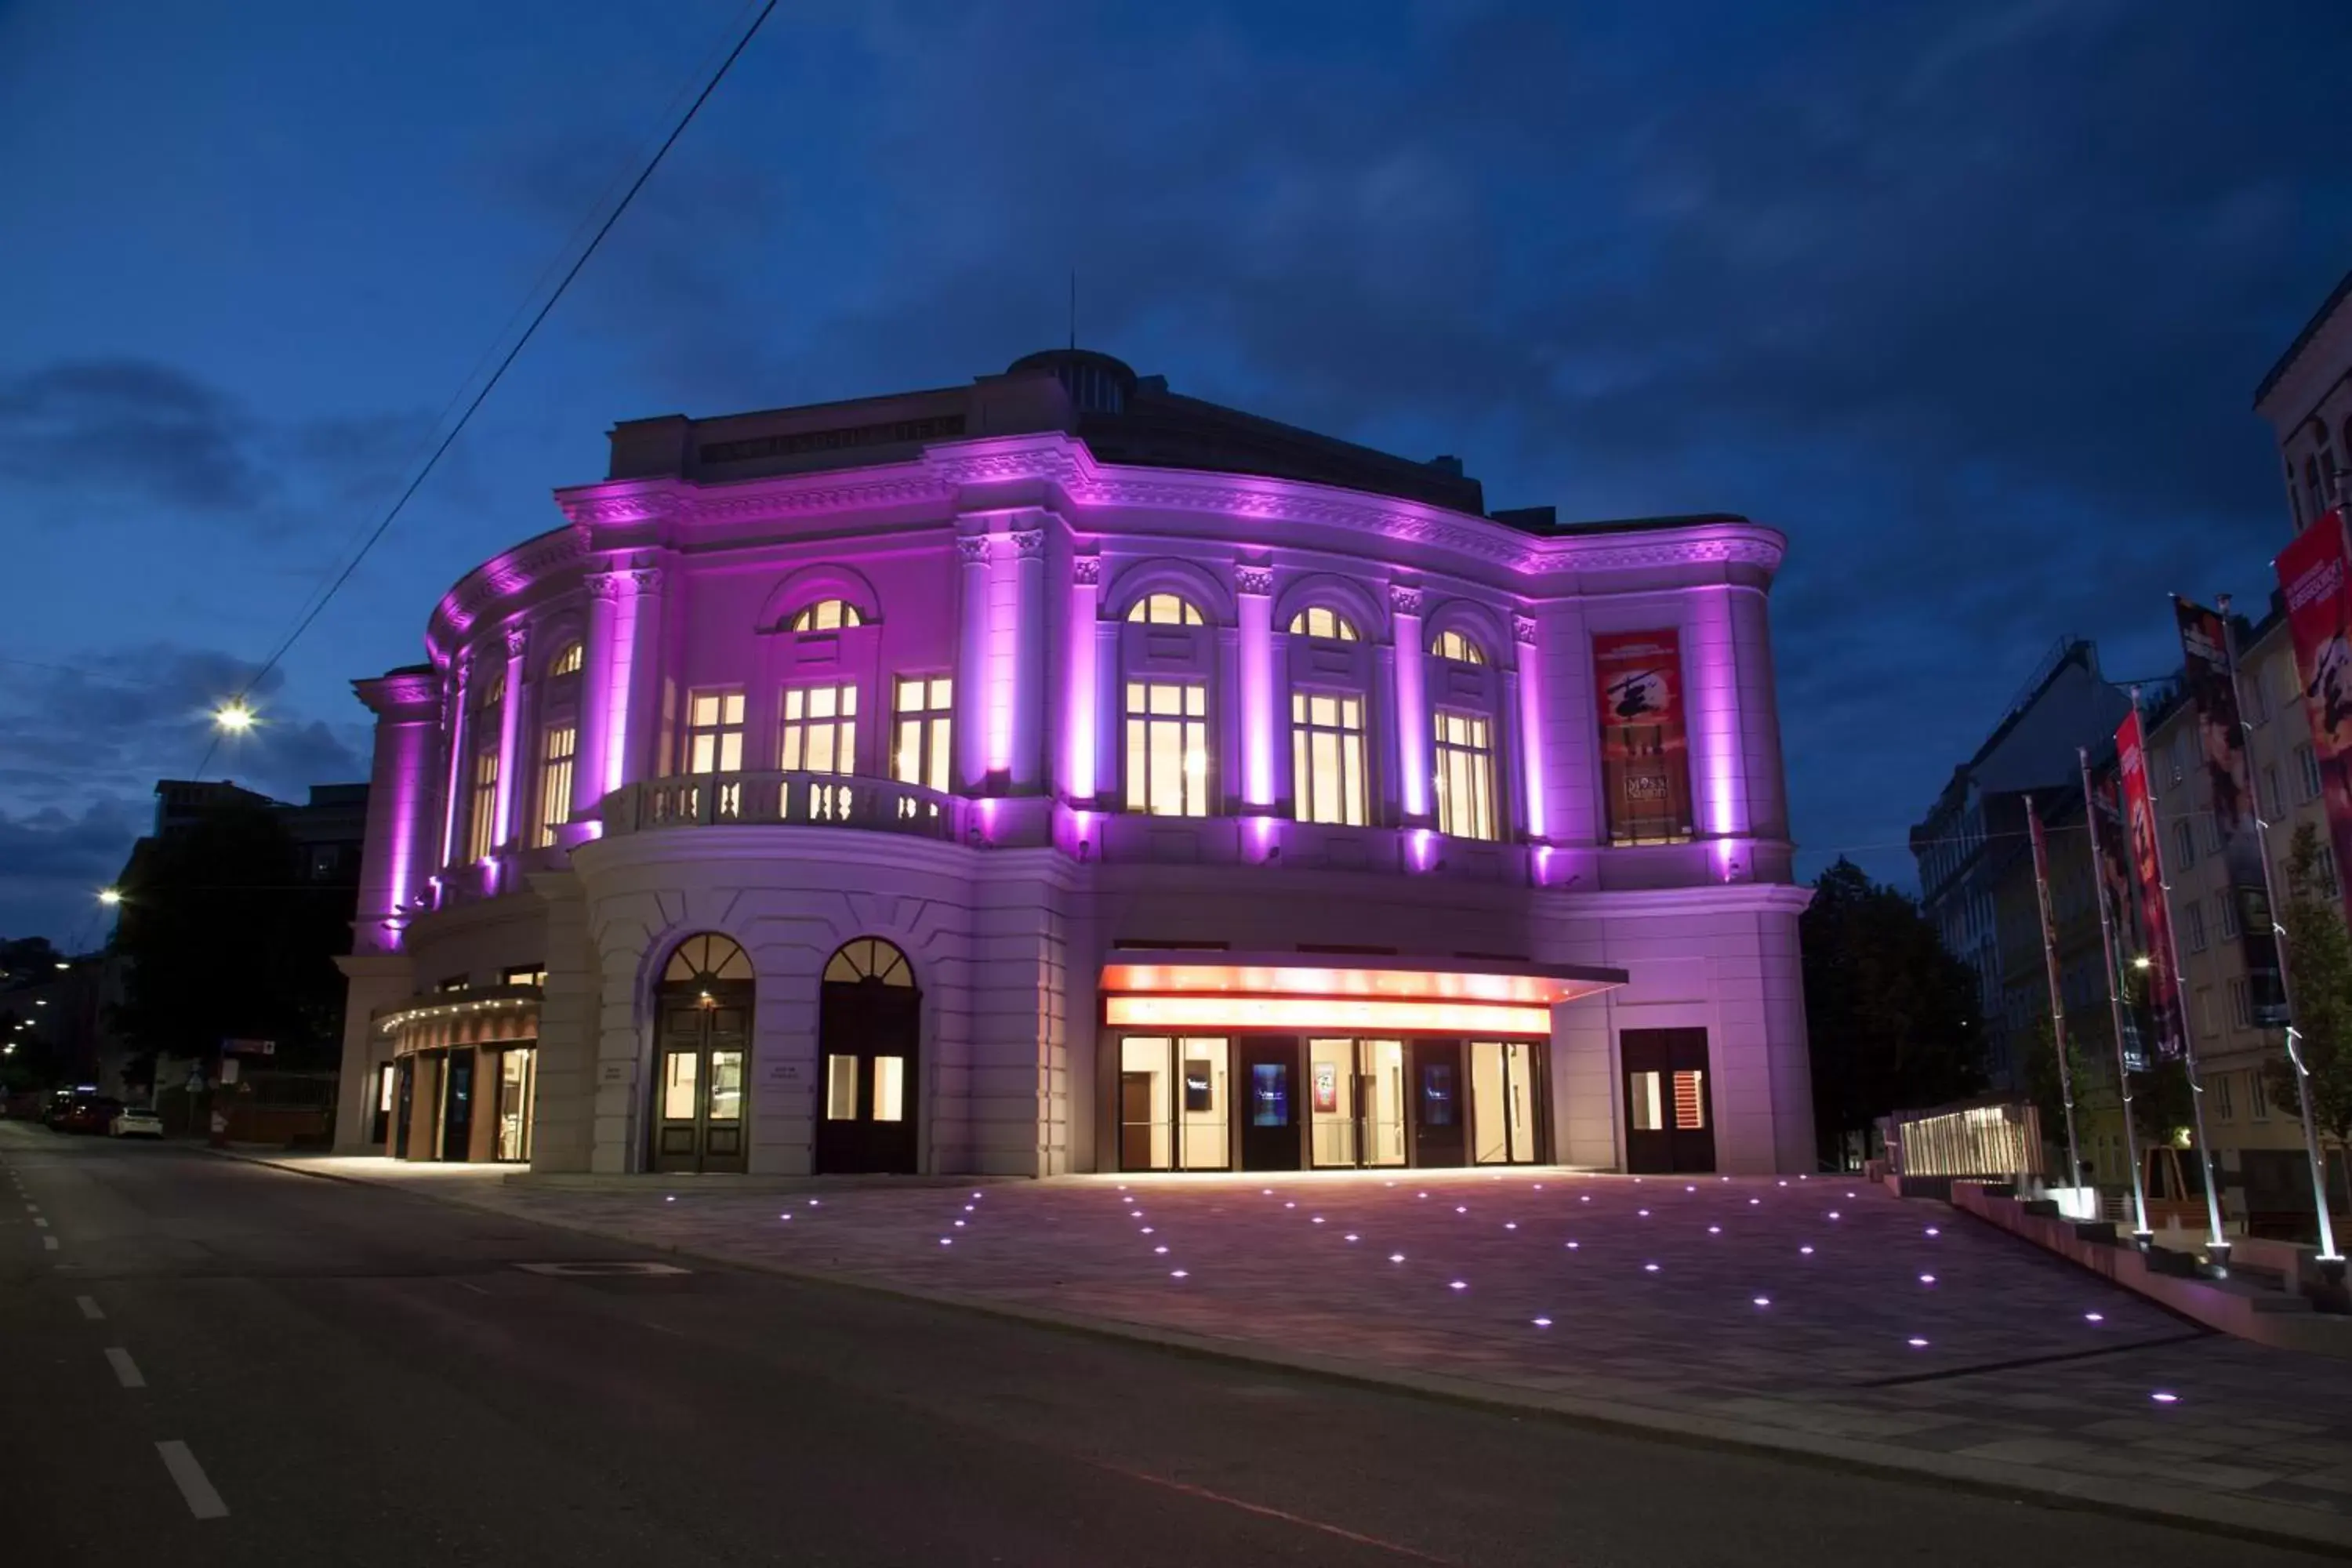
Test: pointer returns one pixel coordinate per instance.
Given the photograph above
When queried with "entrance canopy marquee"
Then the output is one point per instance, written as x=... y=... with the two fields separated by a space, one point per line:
x=1342 y=992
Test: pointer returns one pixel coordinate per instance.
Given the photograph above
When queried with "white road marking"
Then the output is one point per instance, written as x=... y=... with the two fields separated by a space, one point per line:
x=203 y=1502
x=49 y=1244
x=126 y=1371
x=477 y=1289
x=32 y=1209
x=90 y=1308
x=41 y=1220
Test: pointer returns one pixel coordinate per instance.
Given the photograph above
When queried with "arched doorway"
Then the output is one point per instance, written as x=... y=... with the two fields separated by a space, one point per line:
x=702 y=1047
x=869 y=1016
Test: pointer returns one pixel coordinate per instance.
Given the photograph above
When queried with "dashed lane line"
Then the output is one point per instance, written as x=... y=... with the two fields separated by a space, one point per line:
x=49 y=1244
x=189 y=1476
x=90 y=1308
x=126 y=1371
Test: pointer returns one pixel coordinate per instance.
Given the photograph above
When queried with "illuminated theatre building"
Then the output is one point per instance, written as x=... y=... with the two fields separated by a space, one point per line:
x=1058 y=773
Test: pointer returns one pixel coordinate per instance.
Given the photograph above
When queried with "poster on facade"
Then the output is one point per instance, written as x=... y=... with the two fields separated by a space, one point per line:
x=2222 y=742
x=1645 y=742
x=2147 y=883
x=2318 y=591
x=2109 y=852
x=1326 y=1087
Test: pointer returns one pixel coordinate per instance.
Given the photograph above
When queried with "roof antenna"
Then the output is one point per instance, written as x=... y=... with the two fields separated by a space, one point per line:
x=1073 y=308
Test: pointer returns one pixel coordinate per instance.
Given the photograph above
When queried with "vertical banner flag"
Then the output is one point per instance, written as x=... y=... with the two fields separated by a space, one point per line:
x=2139 y=837
x=2312 y=574
x=2221 y=741
x=2108 y=841
x=1644 y=744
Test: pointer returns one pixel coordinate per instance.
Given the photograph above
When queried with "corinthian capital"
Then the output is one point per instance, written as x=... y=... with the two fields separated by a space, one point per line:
x=1403 y=600
x=1087 y=570
x=1255 y=581
x=973 y=548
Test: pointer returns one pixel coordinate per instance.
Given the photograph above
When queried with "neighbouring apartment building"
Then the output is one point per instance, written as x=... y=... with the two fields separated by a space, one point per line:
x=2308 y=400
x=1059 y=774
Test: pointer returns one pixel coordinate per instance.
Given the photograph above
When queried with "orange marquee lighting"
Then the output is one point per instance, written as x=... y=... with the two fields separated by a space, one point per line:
x=1169 y=989
x=1325 y=1012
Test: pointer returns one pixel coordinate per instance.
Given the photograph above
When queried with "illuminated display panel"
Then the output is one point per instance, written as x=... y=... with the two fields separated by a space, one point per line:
x=1325 y=1012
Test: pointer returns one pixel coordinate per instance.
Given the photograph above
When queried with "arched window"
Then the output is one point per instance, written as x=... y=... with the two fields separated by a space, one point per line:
x=1165 y=610
x=1319 y=621
x=567 y=660
x=491 y=689
x=707 y=957
x=1453 y=644
x=829 y=615
x=869 y=958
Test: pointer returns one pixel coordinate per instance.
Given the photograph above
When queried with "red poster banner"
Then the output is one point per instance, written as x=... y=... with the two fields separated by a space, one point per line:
x=1645 y=742
x=2139 y=835
x=2313 y=575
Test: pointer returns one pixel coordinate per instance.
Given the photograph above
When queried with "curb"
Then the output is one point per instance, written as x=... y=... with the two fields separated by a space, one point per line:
x=2216 y=1513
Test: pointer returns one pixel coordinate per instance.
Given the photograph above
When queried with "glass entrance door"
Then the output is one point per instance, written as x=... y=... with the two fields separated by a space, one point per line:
x=869 y=1018
x=1270 y=1115
x=1356 y=1103
x=698 y=1091
x=1173 y=1103
x=1669 y=1108
x=1505 y=1101
x=1438 y=1135
x=517 y=1075
x=457 y=1106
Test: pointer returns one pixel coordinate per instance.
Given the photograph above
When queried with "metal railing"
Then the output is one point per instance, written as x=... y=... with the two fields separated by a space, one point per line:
x=785 y=799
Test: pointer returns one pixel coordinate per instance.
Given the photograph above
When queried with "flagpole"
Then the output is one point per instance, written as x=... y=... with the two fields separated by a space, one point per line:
x=2057 y=995
x=2217 y=1246
x=2327 y=1253
x=2140 y=1232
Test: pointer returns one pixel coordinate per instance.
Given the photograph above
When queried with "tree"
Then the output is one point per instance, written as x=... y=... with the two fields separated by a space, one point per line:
x=1891 y=1015
x=225 y=937
x=2319 y=976
x=2047 y=1090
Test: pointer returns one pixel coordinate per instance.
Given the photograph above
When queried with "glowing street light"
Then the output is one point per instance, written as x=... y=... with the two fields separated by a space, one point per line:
x=109 y=896
x=233 y=717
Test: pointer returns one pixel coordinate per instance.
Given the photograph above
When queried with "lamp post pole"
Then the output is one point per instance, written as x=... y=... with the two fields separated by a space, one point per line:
x=2140 y=1232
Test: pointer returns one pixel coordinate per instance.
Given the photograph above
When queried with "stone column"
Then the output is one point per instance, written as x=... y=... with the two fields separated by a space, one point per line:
x=398 y=854
x=1079 y=738
x=974 y=692
x=1528 y=667
x=1759 y=722
x=458 y=729
x=1711 y=686
x=634 y=729
x=1254 y=588
x=513 y=738
x=595 y=775
x=1020 y=648
x=1412 y=706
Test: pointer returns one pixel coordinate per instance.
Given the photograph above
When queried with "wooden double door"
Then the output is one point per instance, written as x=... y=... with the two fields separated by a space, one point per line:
x=1669 y=1101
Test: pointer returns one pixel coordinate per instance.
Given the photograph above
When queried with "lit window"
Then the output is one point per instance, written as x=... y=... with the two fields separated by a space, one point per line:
x=820 y=734
x=567 y=660
x=714 y=732
x=482 y=829
x=524 y=974
x=492 y=688
x=1165 y=610
x=1461 y=649
x=1465 y=771
x=1167 y=748
x=1319 y=621
x=1327 y=757
x=829 y=615
x=555 y=781
x=919 y=754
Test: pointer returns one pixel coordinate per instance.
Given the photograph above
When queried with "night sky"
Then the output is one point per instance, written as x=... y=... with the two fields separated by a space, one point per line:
x=1970 y=301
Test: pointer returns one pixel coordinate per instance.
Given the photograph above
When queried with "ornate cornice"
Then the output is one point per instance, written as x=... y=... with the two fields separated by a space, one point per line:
x=403 y=696
x=517 y=640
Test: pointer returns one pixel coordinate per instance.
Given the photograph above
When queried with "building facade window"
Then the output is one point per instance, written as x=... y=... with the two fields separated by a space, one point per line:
x=2195 y=910
x=524 y=974
x=2226 y=906
x=482 y=823
x=1462 y=650
x=819 y=735
x=829 y=615
x=567 y=660
x=2272 y=807
x=2306 y=767
x=1327 y=757
x=2241 y=1013
x=2258 y=1096
x=714 y=732
x=919 y=752
x=1465 y=776
x=556 y=756
x=1166 y=741
x=2184 y=843
x=1317 y=622
x=1165 y=610
x=2223 y=1100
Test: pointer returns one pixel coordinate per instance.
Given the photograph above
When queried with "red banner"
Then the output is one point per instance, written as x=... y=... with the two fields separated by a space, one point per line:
x=2313 y=573
x=2139 y=835
x=1645 y=743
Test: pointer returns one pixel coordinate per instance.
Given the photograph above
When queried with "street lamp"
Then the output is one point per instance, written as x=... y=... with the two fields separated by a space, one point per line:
x=109 y=896
x=233 y=717
x=2139 y=961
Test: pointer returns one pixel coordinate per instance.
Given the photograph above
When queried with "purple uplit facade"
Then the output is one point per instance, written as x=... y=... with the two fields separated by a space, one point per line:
x=875 y=785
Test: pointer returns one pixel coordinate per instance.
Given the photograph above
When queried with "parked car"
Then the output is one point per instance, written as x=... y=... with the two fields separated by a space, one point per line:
x=136 y=1122
x=93 y=1114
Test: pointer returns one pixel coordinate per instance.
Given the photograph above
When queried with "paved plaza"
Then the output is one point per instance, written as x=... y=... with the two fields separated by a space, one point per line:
x=1813 y=1314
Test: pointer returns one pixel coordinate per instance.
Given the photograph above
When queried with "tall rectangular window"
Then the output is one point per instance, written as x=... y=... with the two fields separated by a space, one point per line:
x=1167 y=748
x=714 y=732
x=1327 y=757
x=1465 y=776
x=554 y=782
x=919 y=752
x=820 y=732
x=482 y=829
x=2195 y=910
x=2306 y=767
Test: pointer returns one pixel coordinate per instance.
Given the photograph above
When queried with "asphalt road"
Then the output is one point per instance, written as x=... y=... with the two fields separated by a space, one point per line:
x=218 y=1362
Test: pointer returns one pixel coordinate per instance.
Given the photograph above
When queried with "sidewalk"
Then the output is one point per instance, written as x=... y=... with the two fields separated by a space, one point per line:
x=1806 y=1316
